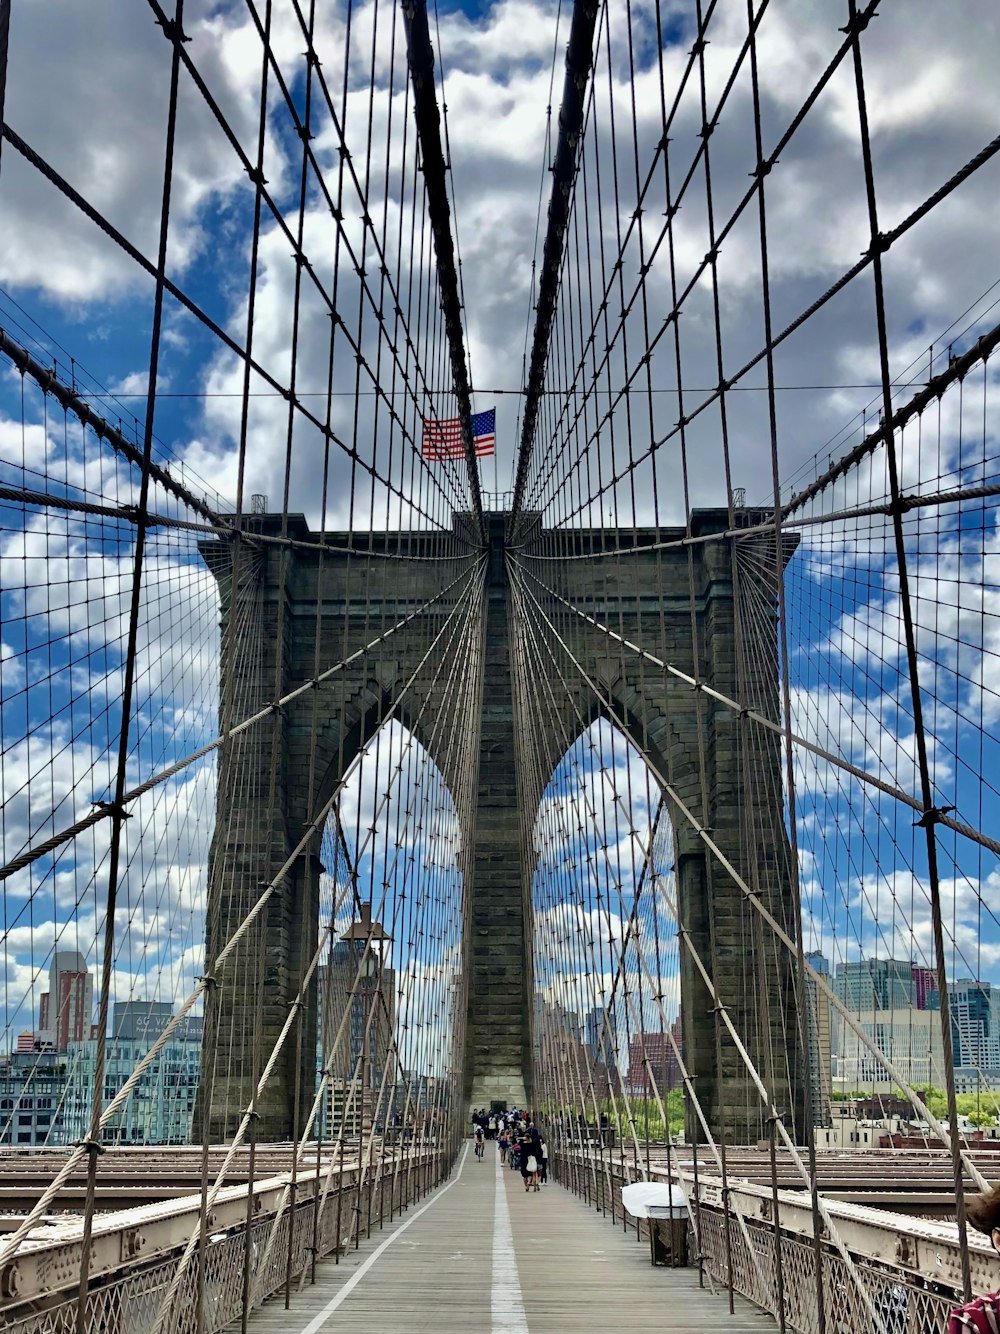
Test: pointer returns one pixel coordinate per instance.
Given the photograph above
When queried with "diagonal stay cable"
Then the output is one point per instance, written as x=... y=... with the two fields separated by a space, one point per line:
x=753 y=715
x=705 y=836
x=885 y=241
x=314 y=827
x=45 y=377
x=11 y=1243
x=303 y=262
x=102 y=811
x=189 y=304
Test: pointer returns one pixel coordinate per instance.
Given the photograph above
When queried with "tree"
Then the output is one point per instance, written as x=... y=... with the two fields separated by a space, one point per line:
x=982 y=1118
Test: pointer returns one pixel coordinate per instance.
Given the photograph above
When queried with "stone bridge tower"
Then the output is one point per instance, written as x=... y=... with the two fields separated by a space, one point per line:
x=645 y=597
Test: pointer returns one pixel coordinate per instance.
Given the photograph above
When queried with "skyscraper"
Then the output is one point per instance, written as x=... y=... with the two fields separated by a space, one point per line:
x=340 y=988
x=876 y=984
x=974 y=1029
x=65 y=1009
x=924 y=986
x=910 y=1038
x=818 y=1023
x=600 y=1035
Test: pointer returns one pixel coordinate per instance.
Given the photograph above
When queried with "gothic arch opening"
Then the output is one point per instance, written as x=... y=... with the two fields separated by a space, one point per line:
x=605 y=965
x=390 y=996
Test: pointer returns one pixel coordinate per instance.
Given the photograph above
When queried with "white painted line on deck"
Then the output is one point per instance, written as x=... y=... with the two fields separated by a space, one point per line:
x=320 y=1319
x=506 y=1303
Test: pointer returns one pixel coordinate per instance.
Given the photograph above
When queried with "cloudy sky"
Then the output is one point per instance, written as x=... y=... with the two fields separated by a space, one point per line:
x=87 y=89
x=97 y=114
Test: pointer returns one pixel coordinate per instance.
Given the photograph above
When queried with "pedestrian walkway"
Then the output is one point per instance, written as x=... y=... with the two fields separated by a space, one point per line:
x=479 y=1256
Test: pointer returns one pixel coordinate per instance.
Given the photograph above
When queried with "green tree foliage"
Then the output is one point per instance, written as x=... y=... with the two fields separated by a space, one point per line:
x=646 y=1115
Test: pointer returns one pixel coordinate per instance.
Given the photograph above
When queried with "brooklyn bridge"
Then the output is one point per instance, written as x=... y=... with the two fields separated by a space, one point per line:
x=499 y=605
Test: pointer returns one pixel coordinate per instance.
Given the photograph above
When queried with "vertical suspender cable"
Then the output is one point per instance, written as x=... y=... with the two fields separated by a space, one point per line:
x=119 y=814
x=579 y=63
x=428 y=122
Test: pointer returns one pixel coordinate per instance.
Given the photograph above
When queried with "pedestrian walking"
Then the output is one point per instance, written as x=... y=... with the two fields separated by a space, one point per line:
x=544 y=1173
x=529 y=1162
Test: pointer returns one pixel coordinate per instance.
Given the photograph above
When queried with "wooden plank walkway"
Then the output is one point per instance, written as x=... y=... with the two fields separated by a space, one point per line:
x=479 y=1256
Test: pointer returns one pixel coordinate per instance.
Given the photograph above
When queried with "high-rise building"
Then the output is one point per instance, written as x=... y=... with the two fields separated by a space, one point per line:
x=924 y=987
x=820 y=1039
x=910 y=1038
x=655 y=1047
x=876 y=984
x=371 y=1000
x=600 y=1035
x=65 y=1009
x=32 y=1098
x=159 y=1109
x=975 y=1023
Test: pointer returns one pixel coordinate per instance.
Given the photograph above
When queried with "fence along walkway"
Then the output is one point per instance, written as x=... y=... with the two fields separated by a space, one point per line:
x=479 y=1254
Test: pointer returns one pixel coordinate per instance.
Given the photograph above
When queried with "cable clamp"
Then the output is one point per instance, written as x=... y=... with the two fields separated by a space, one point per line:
x=91 y=1145
x=211 y=982
x=775 y=1119
x=859 y=22
x=880 y=244
x=932 y=817
x=257 y=176
x=113 y=808
x=172 y=30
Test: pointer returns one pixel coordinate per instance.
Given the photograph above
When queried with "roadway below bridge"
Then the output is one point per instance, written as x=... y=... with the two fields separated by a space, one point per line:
x=481 y=1254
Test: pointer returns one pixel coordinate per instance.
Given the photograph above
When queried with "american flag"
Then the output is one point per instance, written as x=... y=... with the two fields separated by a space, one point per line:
x=443 y=439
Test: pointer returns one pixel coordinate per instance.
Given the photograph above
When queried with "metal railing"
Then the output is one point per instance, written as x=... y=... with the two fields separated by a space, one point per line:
x=37 y=1288
x=910 y=1267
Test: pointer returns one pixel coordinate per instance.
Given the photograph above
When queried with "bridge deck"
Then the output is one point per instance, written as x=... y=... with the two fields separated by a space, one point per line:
x=475 y=1258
